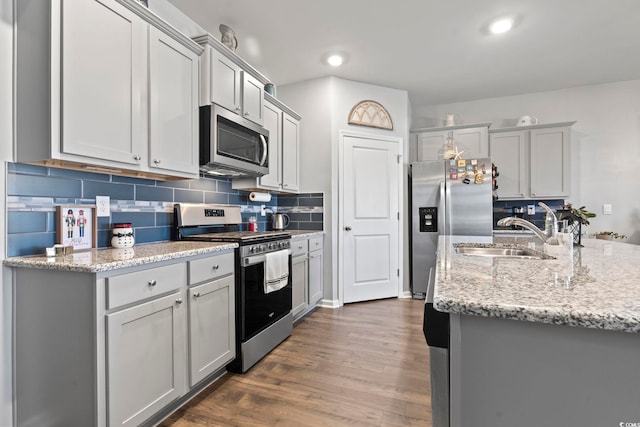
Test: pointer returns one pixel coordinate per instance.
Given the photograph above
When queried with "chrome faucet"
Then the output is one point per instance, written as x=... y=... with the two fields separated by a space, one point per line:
x=550 y=225
x=512 y=220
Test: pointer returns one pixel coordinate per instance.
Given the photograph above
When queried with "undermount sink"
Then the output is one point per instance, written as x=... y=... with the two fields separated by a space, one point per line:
x=502 y=251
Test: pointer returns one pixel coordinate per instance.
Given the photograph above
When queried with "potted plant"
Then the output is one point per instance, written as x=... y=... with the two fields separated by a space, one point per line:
x=609 y=235
x=577 y=217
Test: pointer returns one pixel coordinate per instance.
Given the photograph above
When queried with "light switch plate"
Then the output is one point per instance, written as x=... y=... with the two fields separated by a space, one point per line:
x=607 y=209
x=102 y=206
x=531 y=209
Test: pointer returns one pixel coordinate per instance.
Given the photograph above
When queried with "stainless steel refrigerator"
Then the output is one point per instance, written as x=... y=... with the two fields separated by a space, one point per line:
x=452 y=197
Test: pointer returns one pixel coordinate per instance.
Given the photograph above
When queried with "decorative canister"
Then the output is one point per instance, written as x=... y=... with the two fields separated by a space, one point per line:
x=122 y=235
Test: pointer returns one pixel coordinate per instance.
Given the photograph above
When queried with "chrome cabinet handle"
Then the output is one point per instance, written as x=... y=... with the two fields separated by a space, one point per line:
x=347 y=228
x=152 y=283
x=179 y=301
x=196 y=294
x=137 y=157
x=157 y=161
x=215 y=267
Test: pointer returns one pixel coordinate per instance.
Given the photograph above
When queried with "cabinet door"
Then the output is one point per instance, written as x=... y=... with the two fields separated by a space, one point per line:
x=173 y=105
x=290 y=152
x=225 y=82
x=146 y=357
x=315 y=277
x=508 y=153
x=273 y=123
x=299 y=282
x=550 y=162
x=430 y=145
x=252 y=98
x=211 y=327
x=473 y=141
x=102 y=77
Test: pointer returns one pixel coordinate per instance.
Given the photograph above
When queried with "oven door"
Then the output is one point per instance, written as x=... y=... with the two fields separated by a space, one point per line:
x=258 y=309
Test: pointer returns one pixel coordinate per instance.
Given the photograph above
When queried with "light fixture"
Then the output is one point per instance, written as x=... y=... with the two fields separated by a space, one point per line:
x=501 y=25
x=335 y=60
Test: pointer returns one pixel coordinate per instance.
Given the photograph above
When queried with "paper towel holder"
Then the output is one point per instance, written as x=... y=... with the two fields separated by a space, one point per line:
x=255 y=196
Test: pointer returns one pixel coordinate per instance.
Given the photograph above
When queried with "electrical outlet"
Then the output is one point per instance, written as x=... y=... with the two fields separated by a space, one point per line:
x=102 y=206
x=531 y=209
x=262 y=211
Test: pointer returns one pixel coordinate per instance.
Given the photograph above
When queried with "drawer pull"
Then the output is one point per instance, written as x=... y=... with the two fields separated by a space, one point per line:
x=196 y=294
x=179 y=301
x=215 y=267
x=152 y=283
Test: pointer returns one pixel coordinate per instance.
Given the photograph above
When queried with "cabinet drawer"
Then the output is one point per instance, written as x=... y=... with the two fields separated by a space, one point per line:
x=204 y=269
x=315 y=243
x=132 y=287
x=299 y=247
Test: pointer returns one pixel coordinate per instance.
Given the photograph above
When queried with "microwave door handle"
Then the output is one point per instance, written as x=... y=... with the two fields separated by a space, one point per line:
x=264 y=150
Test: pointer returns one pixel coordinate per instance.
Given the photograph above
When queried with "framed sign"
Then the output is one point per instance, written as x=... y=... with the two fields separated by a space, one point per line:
x=76 y=226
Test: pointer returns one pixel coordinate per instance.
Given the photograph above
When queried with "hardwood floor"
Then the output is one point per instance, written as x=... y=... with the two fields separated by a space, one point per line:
x=364 y=364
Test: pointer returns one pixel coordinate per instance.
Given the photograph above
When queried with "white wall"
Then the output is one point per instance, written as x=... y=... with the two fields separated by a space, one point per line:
x=605 y=142
x=324 y=105
x=6 y=150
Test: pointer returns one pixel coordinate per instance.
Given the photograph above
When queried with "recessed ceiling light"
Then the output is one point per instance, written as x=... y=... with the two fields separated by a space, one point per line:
x=335 y=60
x=500 y=26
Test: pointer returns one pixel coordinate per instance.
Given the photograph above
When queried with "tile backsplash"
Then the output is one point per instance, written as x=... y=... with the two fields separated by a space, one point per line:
x=33 y=192
x=502 y=209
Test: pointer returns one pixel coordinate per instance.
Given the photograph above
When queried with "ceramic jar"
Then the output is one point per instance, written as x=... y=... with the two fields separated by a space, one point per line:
x=122 y=235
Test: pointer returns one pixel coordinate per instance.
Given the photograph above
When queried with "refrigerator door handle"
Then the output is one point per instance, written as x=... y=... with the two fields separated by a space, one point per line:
x=447 y=212
x=442 y=217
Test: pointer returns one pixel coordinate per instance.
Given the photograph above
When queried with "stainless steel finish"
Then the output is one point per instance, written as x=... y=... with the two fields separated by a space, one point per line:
x=550 y=221
x=196 y=214
x=498 y=252
x=462 y=209
x=512 y=220
x=280 y=221
x=265 y=150
x=260 y=345
x=439 y=372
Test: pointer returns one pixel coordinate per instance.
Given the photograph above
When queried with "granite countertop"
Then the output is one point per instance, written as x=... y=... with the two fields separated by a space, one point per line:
x=597 y=287
x=301 y=234
x=98 y=260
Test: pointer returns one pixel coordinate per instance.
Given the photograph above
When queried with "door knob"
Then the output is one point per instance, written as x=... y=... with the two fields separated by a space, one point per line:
x=347 y=228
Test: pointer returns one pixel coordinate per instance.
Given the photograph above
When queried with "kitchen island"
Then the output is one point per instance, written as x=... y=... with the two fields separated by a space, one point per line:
x=538 y=342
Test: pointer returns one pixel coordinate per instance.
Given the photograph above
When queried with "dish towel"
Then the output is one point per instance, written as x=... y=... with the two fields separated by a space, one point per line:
x=276 y=271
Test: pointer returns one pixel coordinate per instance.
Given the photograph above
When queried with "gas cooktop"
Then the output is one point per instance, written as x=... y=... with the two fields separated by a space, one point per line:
x=240 y=236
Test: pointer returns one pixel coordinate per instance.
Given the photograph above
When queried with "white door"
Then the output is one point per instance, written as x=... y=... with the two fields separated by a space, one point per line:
x=369 y=232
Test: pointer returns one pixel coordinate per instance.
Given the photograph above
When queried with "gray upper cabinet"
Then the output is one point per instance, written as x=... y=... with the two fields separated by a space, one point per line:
x=283 y=125
x=429 y=142
x=99 y=71
x=229 y=81
x=534 y=162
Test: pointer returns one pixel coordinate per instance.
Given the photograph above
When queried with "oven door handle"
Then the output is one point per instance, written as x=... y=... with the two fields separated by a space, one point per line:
x=256 y=259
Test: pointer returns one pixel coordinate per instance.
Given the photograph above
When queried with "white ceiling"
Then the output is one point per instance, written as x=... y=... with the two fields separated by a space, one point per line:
x=436 y=50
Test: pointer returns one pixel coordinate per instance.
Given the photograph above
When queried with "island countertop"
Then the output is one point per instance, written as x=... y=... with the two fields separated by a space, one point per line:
x=99 y=260
x=598 y=287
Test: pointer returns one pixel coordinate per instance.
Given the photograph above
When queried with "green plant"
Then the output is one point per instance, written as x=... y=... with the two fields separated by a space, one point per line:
x=613 y=234
x=581 y=213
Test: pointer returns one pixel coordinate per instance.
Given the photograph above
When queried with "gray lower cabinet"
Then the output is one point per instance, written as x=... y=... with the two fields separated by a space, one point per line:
x=121 y=347
x=299 y=278
x=146 y=355
x=307 y=274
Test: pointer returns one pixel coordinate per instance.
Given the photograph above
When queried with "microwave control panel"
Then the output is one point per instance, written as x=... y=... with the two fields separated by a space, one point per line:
x=428 y=218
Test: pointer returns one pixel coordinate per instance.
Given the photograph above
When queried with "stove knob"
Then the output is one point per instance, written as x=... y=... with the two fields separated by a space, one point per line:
x=252 y=249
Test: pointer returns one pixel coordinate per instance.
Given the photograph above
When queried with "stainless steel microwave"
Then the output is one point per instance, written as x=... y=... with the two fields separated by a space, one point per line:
x=230 y=145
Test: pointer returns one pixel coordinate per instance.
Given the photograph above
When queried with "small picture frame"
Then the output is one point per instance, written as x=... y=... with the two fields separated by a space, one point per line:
x=76 y=225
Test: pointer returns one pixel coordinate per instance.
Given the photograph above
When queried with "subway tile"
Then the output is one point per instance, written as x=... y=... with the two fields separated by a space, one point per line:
x=133 y=180
x=104 y=223
x=224 y=186
x=27 y=169
x=313 y=226
x=164 y=219
x=288 y=201
x=297 y=217
x=103 y=238
x=29 y=244
x=138 y=219
x=32 y=185
x=152 y=234
x=310 y=201
x=148 y=193
x=116 y=191
x=67 y=173
x=180 y=183
x=26 y=222
x=239 y=199
x=203 y=184
x=188 y=196
x=216 y=198
x=317 y=217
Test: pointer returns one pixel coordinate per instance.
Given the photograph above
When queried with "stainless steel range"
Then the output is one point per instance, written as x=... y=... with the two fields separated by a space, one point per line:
x=263 y=304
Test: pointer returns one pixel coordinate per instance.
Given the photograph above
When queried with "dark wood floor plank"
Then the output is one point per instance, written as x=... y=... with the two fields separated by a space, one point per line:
x=363 y=364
